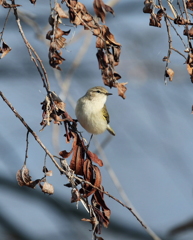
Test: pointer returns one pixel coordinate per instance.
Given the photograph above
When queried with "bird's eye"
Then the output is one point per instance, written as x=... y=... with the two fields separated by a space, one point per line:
x=98 y=91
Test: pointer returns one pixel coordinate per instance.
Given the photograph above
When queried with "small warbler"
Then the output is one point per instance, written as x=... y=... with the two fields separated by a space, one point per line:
x=91 y=111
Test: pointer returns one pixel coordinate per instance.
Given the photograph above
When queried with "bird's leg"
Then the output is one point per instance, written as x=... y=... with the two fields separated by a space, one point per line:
x=89 y=141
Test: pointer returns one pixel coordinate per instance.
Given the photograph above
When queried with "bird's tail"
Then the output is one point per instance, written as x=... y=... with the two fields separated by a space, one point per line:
x=110 y=130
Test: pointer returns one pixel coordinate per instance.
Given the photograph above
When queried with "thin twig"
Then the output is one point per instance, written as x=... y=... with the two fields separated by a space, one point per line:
x=41 y=68
x=186 y=27
x=169 y=48
x=6 y=19
x=172 y=8
x=178 y=3
x=172 y=48
x=176 y=32
x=27 y=144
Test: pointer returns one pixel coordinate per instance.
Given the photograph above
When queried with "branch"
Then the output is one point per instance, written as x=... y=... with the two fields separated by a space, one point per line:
x=70 y=174
x=6 y=19
x=36 y=60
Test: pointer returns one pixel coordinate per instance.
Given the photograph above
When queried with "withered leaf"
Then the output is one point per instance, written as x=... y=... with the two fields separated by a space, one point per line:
x=165 y=59
x=121 y=89
x=85 y=220
x=169 y=73
x=98 y=200
x=189 y=4
x=7 y=5
x=102 y=59
x=116 y=53
x=188 y=32
x=98 y=177
x=77 y=20
x=88 y=172
x=96 y=31
x=80 y=7
x=5 y=49
x=76 y=163
x=148 y=6
x=92 y=174
x=87 y=17
x=180 y=21
x=100 y=9
x=154 y=20
x=52 y=107
x=92 y=156
x=23 y=176
x=33 y=1
x=47 y=188
x=60 y=11
x=190 y=71
x=58 y=43
x=108 y=36
x=75 y=196
x=47 y=172
x=24 y=179
x=65 y=154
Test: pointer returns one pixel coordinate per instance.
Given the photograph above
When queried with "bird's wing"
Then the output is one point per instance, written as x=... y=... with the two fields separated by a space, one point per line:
x=106 y=114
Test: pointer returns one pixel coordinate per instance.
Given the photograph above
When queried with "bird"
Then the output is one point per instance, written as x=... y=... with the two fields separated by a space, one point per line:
x=91 y=111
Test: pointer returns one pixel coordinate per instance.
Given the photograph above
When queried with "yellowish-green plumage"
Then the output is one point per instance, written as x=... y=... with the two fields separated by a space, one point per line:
x=92 y=113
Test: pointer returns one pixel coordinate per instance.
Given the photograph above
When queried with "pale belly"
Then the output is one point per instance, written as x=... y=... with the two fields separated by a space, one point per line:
x=93 y=123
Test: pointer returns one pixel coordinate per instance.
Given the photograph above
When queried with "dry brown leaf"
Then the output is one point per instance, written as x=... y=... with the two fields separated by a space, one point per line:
x=108 y=36
x=24 y=179
x=92 y=174
x=148 y=6
x=75 y=196
x=33 y=1
x=180 y=21
x=47 y=172
x=88 y=18
x=102 y=59
x=190 y=71
x=165 y=59
x=5 y=49
x=47 y=188
x=169 y=73
x=88 y=172
x=154 y=21
x=189 y=4
x=98 y=177
x=188 y=32
x=7 y=5
x=53 y=108
x=60 y=11
x=92 y=156
x=100 y=9
x=77 y=161
x=121 y=89
x=65 y=154
x=97 y=200
x=116 y=53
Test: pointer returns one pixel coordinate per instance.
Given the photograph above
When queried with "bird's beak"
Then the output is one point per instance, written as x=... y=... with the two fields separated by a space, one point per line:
x=109 y=94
